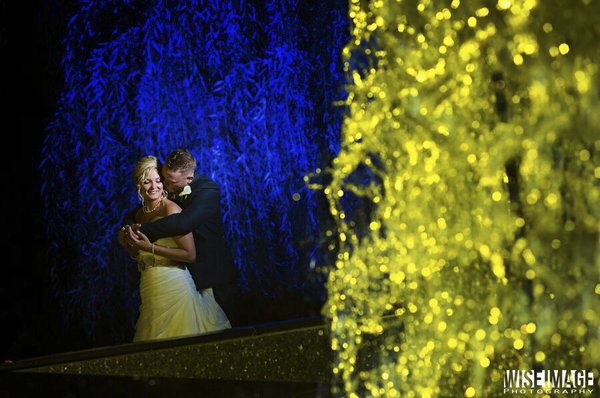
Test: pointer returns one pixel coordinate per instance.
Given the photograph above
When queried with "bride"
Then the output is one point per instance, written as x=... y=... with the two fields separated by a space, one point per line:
x=170 y=304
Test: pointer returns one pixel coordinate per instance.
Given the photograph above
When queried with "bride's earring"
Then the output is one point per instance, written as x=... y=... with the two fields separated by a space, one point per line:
x=139 y=194
x=165 y=193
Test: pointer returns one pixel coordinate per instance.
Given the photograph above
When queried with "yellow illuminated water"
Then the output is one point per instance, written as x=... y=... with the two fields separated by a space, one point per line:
x=481 y=121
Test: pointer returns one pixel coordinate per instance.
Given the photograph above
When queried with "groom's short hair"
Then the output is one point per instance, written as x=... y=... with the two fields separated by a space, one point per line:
x=182 y=160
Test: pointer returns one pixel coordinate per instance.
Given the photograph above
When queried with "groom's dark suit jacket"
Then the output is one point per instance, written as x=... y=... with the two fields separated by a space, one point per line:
x=214 y=267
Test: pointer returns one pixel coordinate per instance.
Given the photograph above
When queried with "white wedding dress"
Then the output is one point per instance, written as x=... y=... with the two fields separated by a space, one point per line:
x=171 y=305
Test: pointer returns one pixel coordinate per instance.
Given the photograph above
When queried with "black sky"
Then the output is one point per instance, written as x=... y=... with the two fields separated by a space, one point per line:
x=30 y=54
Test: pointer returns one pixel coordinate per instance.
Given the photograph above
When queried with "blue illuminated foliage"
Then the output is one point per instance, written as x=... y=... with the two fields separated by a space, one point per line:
x=248 y=87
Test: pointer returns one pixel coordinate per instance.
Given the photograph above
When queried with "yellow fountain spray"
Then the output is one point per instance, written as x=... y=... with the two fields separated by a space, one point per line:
x=479 y=122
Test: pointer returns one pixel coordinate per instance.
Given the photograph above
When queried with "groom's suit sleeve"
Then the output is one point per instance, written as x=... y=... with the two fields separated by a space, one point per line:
x=129 y=217
x=204 y=204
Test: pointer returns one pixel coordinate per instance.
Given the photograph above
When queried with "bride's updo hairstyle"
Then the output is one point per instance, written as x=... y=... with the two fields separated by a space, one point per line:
x=141 y=171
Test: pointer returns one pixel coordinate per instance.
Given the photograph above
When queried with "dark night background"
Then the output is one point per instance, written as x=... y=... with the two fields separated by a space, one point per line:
x=30 y=47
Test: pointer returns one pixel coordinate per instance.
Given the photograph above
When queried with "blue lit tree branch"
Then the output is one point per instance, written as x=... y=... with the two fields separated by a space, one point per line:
x=249 y=90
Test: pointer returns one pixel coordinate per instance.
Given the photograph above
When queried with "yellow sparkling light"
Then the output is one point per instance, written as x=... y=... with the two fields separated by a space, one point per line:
x=540 y=356
x=441 y=223
x=442 y=326
x=563 y=48
x=529 y=257
x=470 y=392
x=551 y=200
x=498 y=266
x=530 y=274
x=482 y=12
x=583 y=81
x=518 y=344
x=448 y=41
x=484 y=362
x=504 y=4
x=518 y=59
x=479 y=125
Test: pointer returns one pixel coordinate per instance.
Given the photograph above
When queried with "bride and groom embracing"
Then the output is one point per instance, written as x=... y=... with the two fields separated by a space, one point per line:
x=188 y=282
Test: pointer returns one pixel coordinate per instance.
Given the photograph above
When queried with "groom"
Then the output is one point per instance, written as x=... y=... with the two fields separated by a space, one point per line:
x=199 y=199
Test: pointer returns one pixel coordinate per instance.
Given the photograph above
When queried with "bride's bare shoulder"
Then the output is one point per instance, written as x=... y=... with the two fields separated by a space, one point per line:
x=172 y=207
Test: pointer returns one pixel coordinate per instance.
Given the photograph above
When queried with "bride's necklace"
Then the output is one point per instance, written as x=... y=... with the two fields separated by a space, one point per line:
x=147 y=210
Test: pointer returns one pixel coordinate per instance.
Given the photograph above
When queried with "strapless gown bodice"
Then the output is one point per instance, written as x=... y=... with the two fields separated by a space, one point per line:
x=147 y=260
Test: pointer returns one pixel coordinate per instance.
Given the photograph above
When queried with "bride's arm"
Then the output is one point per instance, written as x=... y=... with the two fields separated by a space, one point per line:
x=185 y=250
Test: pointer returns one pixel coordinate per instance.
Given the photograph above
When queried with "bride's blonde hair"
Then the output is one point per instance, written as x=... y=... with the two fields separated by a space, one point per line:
x=142 y=169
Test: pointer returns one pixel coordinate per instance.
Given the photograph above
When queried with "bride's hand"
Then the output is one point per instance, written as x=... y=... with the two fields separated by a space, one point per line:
x=127 y=242
x=121 y=237
x=136 y=228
